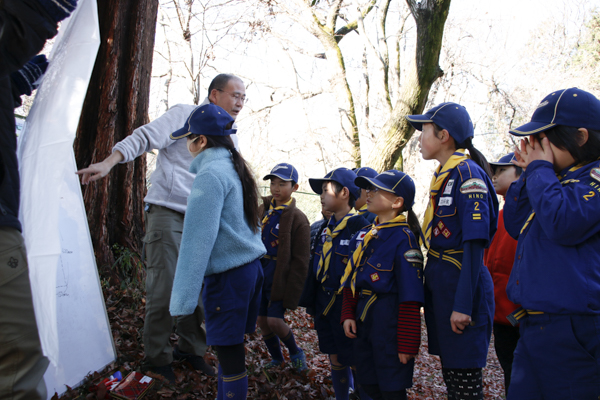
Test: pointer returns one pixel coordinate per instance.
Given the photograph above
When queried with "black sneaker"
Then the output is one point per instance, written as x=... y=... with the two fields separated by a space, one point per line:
x=197 y=362
x=166 y=371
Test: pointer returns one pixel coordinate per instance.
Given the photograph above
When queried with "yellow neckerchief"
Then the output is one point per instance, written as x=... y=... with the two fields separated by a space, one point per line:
x=328 y=246
x=272 y=209
x=363 y=210
x=561 y=179
x=400 y=220
x=440 y=175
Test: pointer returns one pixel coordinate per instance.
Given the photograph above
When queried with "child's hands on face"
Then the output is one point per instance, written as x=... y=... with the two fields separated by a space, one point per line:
x=532 y=149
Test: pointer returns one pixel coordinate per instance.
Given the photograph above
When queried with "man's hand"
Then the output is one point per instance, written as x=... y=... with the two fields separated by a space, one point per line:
x=350 y=328
x=99 y=170
x=459 y=322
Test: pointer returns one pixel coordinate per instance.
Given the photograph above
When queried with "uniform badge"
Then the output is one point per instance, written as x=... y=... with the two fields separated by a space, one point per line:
x=275 y=243
x=436 y=231
x=361 y=236
x=476 y=216
x=328 y=239
x=474 y=185
x=595 y=174
x=446 y=232
x=414 y=256
x=345 y=260
x=441 y=225
x=374 y=277
x=449 y=186
x=445 y=201
x=345 y=242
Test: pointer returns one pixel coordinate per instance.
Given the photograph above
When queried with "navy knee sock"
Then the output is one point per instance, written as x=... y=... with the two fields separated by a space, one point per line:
x=272 y=343
x=290 y=343
x=235 y=386
x=220 y=384
x=341 y=379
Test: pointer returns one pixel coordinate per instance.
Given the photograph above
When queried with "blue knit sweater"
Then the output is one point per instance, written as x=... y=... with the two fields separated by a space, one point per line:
x=216 y=236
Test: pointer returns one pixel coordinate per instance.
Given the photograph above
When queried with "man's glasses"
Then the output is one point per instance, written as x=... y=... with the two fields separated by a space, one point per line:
x=236 y=96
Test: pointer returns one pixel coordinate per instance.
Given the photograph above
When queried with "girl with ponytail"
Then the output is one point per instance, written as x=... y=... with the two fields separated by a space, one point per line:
x=221 y=244
x=459 y=223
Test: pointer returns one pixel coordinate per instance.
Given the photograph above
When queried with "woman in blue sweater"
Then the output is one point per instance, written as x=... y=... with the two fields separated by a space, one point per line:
x=221 y=244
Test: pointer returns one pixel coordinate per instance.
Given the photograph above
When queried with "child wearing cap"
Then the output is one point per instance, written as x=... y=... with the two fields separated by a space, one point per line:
x=328 y=262
x=553 y=211
x=220 y=245
x=499 y=258
x=460 y=221
x=286 y=237
x=383 y=288
x=361 y=202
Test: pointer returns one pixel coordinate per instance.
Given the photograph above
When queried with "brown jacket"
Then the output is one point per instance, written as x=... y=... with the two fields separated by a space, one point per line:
x=293 y=254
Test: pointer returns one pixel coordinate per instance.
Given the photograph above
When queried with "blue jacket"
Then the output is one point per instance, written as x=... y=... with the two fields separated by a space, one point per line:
x=216 y=236
x=557 y=263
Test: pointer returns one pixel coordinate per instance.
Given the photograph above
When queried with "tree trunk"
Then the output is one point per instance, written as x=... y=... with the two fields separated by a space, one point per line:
x=116 y=103
x=430 y=17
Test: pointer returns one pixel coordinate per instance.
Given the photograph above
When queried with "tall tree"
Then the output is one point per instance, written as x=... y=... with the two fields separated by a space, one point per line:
x=430 y=17
x=116 y=103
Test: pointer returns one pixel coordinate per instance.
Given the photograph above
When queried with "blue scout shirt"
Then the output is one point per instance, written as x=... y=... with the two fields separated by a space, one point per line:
x=557 y=263
x=339 y=255
x=391 y=263
x=270 y=233
x=466 y=209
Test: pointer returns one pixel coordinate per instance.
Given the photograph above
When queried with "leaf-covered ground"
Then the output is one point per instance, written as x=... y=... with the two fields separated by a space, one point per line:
x=126 y=314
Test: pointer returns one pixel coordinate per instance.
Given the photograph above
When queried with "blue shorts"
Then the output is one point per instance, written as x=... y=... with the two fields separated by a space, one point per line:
x=469 y=349
x=231 y=301
x=332 y=339
x=557 y=357
x=376 y=347
x=267 y=307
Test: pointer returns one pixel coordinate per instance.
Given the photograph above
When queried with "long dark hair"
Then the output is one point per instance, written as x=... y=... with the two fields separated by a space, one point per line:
x=250 y=189
x=566 y=138
x=413 y=223
x=473 y=152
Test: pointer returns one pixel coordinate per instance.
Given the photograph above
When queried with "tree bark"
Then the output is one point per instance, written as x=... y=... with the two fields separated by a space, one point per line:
x=116 y=103
x=430 y=17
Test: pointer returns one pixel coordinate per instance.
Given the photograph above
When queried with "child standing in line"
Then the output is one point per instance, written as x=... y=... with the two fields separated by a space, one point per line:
x=460 y=221
x=361 y=202
x=383 y=289
x=328 y=262
x=554 y=211
x=499 y=258
x=286 y=237
x=220 y=245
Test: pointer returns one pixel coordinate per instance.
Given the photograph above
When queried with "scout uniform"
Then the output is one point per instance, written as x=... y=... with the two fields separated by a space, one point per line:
x=556 y=273
x=384 y=277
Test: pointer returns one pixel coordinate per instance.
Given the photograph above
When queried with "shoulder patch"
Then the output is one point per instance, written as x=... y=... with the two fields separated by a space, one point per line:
x=473 y=185
x=595 y=174
x=414 y=256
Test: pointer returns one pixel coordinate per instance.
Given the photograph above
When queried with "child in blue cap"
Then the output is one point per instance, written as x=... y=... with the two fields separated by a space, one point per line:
x=361 y=202
x=498 y=258
x=383 y=288
x=460 y=221
x=554 y=212
x=328 y=262
x=286 y=237
x=220 y=245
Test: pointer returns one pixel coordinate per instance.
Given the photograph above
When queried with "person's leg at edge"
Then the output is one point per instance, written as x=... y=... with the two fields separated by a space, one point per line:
x=341 y=377
x=271 y=341
x=232 y=363
x=463 y=383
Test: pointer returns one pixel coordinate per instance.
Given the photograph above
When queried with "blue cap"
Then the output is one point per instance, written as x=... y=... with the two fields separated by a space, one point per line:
x=505 y=160
x=365 y=171
x=570 y=107
x=207 y=120
x=449 y=116
x=343 y=176
x=283 y=171
x=393 y=181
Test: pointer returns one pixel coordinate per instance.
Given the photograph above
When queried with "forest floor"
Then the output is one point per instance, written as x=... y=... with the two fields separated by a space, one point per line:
x=125 y=306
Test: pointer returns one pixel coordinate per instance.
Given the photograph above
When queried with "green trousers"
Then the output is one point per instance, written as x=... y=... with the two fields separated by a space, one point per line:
x=22 y=363
x=163 y=238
